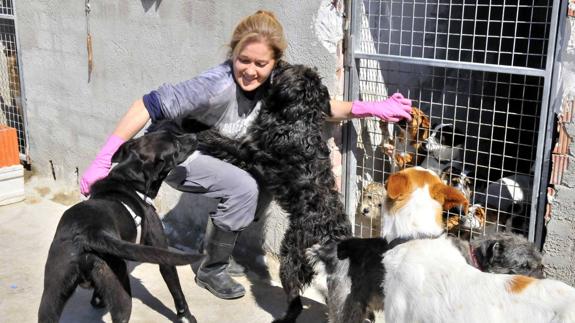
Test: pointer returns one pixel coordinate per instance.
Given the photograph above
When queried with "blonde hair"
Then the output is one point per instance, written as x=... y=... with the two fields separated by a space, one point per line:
x=261 y=26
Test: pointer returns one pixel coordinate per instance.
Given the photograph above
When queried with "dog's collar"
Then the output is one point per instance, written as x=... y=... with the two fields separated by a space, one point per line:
x=145 y=198
x=473 y=258
x=137 y=219
x=397 y=241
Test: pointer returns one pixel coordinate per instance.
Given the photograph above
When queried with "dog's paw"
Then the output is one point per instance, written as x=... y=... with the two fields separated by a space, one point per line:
x=188 y=319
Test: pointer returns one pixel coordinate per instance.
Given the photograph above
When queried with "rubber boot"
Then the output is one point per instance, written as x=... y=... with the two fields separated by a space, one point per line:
x=212 y=274
x=234 y=269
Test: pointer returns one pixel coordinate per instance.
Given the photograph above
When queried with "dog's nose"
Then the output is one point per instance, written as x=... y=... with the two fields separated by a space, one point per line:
x=365 y=211
x=540 y=272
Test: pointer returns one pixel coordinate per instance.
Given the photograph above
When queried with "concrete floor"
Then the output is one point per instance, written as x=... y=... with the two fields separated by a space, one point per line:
x=26 y=231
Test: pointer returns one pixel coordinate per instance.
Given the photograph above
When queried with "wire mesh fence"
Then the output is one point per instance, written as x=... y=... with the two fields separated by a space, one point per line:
x=479 y=76
x=11 y=109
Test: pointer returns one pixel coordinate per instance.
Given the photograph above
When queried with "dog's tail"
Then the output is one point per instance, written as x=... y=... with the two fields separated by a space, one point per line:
x=323 y=258
x=107 y=244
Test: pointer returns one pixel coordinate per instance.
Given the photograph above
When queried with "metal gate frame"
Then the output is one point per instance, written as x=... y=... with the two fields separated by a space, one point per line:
x=546 y=119
x=18 y=118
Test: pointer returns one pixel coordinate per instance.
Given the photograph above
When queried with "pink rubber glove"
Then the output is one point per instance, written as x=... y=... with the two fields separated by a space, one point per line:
x=393 y=109
x=100 y=166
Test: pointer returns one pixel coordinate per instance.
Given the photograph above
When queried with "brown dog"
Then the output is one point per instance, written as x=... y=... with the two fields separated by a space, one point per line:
x=404 y=143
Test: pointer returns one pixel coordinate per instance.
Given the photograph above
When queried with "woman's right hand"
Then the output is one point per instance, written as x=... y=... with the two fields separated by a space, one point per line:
x=100 y=166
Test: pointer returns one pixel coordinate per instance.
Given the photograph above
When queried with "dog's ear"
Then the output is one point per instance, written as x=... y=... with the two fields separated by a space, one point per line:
x=491 y=250
x=497 y=249
x=398 y=186
x=404 y=159
x=185 y=146
x=424 y=128
x=151 y=170
x=449 y=197
x=124 y=151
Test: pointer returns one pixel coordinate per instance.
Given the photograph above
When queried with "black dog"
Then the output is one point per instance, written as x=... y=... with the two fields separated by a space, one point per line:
x=285 y=151
x=355 y=271
x=94 y=237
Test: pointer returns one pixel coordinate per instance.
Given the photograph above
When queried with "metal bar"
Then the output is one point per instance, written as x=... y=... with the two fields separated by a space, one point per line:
x=26 y=156
x=454 y=64
x=348 y=159
x=544 y=144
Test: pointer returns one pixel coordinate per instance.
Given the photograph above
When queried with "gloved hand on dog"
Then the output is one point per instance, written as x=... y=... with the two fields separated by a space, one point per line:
x=393 y=109
x=100 y=166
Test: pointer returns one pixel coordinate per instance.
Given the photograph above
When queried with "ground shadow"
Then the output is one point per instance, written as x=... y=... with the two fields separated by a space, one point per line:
x=147 y=4
x=185 y=226
x=78 y=308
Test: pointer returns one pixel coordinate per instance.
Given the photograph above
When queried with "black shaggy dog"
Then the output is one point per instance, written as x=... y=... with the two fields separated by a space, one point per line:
x=355 y=271
x=95 y=237
x=285 y=152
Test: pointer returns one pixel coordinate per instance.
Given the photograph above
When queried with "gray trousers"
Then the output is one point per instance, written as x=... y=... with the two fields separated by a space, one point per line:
x=235 y=190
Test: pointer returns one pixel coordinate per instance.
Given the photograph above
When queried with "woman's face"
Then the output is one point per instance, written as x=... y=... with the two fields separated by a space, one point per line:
x=253 y=65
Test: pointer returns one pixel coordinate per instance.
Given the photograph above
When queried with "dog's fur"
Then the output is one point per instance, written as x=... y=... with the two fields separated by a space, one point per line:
x=429 y=280
x=95 y=237
x=373 y=196
x=355 y=271
x=405 y=144
x=456 y=223
x=285 y=152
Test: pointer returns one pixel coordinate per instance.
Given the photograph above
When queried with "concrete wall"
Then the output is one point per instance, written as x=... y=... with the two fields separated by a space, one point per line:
x=559 y=247
x=137 y=46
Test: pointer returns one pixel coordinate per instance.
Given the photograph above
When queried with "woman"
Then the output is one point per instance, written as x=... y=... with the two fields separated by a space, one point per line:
x=226 y=97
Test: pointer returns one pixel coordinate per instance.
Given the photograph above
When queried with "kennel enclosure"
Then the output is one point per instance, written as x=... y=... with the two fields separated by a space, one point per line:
x=483 y=68
x=12 y=112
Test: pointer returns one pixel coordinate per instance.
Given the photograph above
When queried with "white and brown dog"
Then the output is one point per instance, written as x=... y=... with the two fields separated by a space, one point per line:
x=429 y=280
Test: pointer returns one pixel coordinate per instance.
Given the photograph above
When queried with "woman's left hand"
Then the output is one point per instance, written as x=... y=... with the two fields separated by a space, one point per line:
x=393 y=109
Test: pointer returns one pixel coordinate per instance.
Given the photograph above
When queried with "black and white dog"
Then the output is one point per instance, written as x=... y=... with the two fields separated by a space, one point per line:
x=354 y=269
x=285 y=151
x=95 y=237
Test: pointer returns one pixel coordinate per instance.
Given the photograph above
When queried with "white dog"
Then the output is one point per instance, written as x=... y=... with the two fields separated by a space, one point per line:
x=428 y=280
